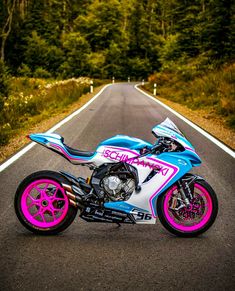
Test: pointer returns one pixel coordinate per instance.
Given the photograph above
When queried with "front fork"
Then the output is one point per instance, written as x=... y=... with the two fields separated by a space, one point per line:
x=185 y=189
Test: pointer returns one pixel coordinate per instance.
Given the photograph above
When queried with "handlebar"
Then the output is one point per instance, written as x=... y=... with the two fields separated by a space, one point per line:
x=162 y=145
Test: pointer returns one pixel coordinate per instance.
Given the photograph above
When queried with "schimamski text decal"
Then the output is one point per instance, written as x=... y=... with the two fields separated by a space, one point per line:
x=123 y=157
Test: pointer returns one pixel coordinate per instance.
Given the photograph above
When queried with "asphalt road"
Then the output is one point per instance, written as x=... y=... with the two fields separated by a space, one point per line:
x=91 y=256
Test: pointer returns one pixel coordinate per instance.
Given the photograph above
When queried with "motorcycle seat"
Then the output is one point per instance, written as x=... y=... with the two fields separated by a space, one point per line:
x=80 y=153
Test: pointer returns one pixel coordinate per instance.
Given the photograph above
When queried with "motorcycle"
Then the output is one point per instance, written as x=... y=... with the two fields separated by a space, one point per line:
x=133 y=182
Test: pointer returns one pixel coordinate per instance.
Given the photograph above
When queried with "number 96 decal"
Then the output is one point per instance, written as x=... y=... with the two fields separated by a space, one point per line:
x=141 y=215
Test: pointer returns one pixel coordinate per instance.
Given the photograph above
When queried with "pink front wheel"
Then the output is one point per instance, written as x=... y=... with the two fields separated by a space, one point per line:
x=188 y=221
x=42 y=205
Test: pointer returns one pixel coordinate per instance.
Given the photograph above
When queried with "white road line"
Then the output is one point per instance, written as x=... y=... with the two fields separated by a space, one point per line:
x=58 y=125
x=203 y=132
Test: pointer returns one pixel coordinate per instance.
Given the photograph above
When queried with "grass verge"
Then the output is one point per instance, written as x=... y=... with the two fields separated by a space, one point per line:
x=41 y=123
x=205 y=96
x=213 y=124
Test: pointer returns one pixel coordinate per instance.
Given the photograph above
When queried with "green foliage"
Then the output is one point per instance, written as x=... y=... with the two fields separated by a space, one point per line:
x=33 y=99
x=77 y=49
x=41 y=73
x=4 y=135
x=4 y=85
x=4 y=80
x=95 y=63
x=139 y=67
x=103 y=38
x=186 y=46
x=39 y=54
x=169 y=51
x=217 y=29
x=36 y=50
x=214 y=90
x=24 y=70
x=102 y=25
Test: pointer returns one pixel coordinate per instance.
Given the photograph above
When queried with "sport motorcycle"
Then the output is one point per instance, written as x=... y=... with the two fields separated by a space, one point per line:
x=132 y=182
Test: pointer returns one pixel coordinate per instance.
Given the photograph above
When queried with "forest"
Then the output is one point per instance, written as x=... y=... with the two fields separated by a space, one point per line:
x=108 y=38
x=172 y=42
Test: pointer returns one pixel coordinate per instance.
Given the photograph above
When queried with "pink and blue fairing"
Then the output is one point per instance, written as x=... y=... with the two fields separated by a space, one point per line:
x=181 y=162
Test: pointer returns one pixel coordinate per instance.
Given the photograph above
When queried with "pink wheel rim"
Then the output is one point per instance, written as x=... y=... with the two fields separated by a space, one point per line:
x=189 y=225
x=44 y=203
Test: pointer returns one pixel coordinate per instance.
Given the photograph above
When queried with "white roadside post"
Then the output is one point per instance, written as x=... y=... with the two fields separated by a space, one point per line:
x=155 y=89
x=113 y=80
x=91 y=86
x=143 y=82
x=129 y=79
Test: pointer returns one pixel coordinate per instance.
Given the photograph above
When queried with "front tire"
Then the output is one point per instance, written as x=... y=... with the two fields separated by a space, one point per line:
x=41 y=204
x=193 y=221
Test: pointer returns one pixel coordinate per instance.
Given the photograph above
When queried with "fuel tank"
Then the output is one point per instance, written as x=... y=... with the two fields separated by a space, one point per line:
x=125 y=141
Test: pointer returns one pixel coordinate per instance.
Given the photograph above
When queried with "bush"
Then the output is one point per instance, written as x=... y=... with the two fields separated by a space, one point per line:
x=41 y=73
x=4 y=137
x=211 y=89
x=4 y=80
x=139 y=67
x=231 y=121
x=24 y=71
x=4 y=84
x=77 y=49
x=168 y=51
x=42 y=57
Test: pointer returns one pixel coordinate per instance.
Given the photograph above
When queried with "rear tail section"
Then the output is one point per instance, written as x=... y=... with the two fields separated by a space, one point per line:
x=55 y=142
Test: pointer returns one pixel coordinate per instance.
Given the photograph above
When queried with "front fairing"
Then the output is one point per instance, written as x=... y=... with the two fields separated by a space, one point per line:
x=168 y=129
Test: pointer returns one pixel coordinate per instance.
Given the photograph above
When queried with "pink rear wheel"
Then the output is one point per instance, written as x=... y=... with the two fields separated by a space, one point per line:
x=188 y=221
x=42 y=205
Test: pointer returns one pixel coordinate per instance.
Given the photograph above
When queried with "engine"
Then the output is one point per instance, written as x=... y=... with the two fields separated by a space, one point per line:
x=115 y=182
x=118 y=189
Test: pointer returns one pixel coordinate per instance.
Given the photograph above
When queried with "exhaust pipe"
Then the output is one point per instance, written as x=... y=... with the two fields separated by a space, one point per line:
x=67 y=187
x=74 y=199
x=71 y=196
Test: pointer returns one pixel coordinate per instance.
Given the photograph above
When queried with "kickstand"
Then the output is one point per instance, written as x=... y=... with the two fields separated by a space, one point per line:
x=119 y=225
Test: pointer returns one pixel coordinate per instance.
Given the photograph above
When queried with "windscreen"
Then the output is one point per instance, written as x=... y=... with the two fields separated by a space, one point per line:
x=170 y=125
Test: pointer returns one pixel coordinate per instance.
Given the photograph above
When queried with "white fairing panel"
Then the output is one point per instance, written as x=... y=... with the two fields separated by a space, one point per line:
x=144 y=165
x=149 y=189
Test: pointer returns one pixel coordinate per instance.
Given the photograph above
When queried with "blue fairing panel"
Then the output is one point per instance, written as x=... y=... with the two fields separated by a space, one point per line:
x=122 y=206
x=126 y=142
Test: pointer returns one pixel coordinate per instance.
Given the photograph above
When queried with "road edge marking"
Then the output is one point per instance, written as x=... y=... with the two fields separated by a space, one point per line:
x=15 y=157
x=193 y=125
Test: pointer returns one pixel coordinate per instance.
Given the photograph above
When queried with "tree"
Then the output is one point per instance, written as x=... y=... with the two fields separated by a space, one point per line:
x=217 y=30
x=77 y=50
x=9 y=7
x=95 y=64
x=103 y=37
x=101 y=25
x=186 y=14
x=39 y=54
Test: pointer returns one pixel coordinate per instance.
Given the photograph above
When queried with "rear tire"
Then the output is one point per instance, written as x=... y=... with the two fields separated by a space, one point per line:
x=41 y=204
x=185 y=225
